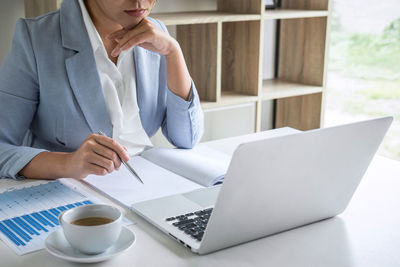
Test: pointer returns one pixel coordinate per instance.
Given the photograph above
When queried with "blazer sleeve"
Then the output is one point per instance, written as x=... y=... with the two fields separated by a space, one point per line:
x=19 y=98
x=183 y=124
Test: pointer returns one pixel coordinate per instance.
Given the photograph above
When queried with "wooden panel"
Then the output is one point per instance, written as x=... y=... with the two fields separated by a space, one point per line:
x=300 y=112
x=241 y=57
x=241 y=6
x=199 y=44
x=34 y=8
x=306 y=4
x=182 y=18
x=302 y=50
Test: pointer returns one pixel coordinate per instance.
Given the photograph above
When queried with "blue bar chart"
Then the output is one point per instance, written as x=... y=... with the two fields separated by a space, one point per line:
x=29 y=215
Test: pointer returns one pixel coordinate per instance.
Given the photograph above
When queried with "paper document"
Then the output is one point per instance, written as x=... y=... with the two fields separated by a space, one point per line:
x=29 y=214
x=164 y=172
x=127 y=190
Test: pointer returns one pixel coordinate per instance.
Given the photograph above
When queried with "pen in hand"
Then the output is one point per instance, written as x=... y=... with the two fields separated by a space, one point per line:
x=127 y=165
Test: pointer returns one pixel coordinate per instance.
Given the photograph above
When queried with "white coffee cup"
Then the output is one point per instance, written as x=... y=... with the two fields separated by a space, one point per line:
x=93 y=239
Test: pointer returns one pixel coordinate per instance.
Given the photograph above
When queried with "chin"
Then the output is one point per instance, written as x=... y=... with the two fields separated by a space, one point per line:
x=131 y=23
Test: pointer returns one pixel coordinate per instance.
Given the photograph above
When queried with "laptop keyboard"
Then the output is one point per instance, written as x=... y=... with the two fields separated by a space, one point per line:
x=193 y=223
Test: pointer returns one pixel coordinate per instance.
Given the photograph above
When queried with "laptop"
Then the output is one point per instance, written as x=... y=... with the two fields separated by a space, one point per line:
x=271 y=185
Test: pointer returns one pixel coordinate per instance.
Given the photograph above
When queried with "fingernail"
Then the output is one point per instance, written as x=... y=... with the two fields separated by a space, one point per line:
x=115 y=52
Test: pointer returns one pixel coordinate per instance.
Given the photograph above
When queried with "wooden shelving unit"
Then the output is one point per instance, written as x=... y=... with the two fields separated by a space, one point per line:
x=224 y=52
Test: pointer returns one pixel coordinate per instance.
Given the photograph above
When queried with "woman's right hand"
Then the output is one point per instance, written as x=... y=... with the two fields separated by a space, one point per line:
x=97 y=155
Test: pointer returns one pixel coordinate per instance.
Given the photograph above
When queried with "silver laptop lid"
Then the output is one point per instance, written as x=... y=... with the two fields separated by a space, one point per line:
x=280 y=183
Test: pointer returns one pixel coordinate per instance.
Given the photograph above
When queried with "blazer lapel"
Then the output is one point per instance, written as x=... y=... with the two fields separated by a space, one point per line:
x=85 y=84
x=81 y=69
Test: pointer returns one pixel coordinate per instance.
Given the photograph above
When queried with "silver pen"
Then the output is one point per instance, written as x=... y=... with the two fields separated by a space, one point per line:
x=127 y=165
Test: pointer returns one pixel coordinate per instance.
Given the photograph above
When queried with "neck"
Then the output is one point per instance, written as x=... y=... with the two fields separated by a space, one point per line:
x=103 y=24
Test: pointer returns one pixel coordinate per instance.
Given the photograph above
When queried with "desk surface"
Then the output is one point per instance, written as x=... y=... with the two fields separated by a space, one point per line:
x=366 y=234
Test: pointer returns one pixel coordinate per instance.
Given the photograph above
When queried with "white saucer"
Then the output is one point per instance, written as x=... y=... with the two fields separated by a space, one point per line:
x=57 y=245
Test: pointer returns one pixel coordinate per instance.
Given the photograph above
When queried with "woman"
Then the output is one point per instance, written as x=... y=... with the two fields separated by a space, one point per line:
x=93 y=65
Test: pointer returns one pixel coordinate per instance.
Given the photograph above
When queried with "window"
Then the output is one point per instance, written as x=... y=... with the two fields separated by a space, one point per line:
x=364 y=66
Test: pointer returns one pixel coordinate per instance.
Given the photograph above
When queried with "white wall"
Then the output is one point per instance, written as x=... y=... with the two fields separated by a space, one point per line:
x=10 y=11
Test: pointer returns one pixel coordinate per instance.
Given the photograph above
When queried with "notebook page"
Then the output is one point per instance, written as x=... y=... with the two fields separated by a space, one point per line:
x=123 y=187
x=201 y=164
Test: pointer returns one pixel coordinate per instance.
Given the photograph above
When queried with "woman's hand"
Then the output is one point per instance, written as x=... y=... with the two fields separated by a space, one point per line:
x=146 y=35
x=150 y=37
x=97 y=155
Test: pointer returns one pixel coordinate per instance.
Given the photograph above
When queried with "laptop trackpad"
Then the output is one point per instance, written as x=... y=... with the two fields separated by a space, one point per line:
x=205 y=197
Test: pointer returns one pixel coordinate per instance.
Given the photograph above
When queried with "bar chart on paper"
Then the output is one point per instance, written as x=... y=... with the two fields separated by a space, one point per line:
x=29 y=215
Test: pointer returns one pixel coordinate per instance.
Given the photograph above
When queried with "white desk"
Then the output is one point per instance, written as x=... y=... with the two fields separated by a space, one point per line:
x=366 y=234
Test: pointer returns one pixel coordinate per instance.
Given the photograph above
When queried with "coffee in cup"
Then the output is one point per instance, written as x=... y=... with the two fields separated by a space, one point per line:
x=92 y=221
x=91 y=229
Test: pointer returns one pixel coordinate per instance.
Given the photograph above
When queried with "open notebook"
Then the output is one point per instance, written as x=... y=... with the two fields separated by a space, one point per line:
x=164 y=171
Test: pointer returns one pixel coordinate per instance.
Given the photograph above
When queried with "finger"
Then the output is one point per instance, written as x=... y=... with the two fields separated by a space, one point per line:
x=113 y=145
x=118 y=38
x=137 y=40
x=117 y=35
x=101 y=161
x=96 y=170
x=128 y=36
x=120 y=33
x=107 y=153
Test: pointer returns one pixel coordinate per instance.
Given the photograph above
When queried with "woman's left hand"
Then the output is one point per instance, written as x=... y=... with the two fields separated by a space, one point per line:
x=146 y=35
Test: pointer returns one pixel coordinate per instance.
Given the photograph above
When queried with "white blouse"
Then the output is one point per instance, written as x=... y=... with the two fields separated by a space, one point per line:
x=119 y=89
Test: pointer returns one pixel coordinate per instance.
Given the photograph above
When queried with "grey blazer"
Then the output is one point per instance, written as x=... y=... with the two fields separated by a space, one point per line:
x=51 y=97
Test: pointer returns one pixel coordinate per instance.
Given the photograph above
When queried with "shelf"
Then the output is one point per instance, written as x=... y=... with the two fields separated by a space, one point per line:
x=294 y=14
x=275 y=89
x=271 y=89
x=183 y=18
x=229 y=99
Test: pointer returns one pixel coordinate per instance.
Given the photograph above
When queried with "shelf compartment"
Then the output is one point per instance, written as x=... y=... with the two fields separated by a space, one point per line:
x=302 y=55
x=299 y=112
x=276 y=89
x=229 y=98
x=200 y=45
x=241 y=57
x=229 y=121
x=201 y=17
x=294 y=14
